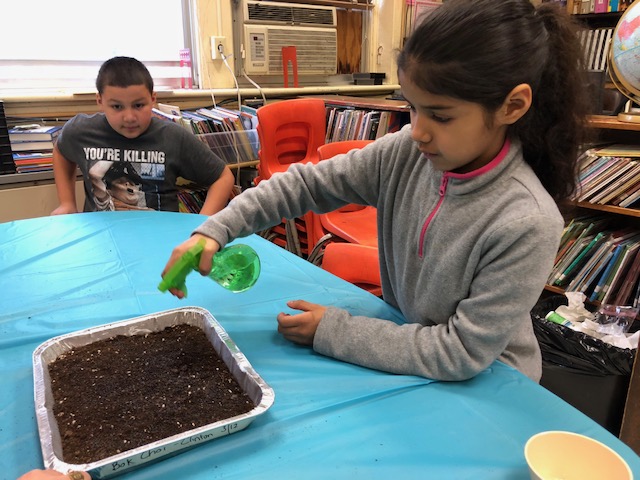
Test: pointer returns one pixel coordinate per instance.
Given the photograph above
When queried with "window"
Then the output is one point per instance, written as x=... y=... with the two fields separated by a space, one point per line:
x=48 y=47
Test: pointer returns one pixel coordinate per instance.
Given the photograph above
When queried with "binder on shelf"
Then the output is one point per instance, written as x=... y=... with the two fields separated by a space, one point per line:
x=231 y=146
x=6 y=154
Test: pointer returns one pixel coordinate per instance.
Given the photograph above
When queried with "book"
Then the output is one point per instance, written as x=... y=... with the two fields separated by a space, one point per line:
x=383 y=125
x=35 y=161
x=238 y=143
x=573 y=252
x=585 y=231
x=583 y=278
x=621 y=240
x=596 y=294
x=590 y=281
x=591 y=173
x=616 y=169
x=601 y=6
x=173 y=114
x=580 y=259
x=624 y=181
x=40 y=146
x=618 y=150
x=331 y=115
x=33 y=133
x=627 y=285
x=620 y=272
x=630 y=200
x=169 y=109
x=627 y=193
x=572 y=6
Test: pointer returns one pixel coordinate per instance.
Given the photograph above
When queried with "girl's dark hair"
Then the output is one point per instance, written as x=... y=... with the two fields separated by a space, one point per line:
x=479 y=50
x=123 y=72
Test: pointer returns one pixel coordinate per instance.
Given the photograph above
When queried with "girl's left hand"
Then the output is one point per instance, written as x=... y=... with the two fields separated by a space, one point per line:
x=301 y=328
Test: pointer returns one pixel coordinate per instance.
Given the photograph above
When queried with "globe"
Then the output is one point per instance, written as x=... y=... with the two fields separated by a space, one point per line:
x=624 y=56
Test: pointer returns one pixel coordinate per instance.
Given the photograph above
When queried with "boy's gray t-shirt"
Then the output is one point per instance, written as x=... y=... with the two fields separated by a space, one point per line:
x=136 y=174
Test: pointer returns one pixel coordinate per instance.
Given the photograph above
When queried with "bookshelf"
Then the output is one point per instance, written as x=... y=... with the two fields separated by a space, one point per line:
x=237 y=148
x=609 y=129
x=362 y=118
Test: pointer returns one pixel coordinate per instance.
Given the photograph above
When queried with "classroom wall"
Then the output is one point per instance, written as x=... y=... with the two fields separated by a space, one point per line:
x=32 y=201
x=214 y=19
x=384 y=40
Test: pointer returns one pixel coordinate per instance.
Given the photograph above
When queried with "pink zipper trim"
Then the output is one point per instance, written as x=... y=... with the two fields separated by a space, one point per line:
x=442 y=191
x=445 y=181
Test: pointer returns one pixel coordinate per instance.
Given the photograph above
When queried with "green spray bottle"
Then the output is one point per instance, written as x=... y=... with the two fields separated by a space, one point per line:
x=236 y=268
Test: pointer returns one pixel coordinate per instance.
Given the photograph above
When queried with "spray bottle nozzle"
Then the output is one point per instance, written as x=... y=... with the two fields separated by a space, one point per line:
x=235 y=268
x=177 y=274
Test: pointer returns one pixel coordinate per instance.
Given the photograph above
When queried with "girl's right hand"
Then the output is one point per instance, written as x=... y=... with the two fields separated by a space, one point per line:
x=211 y=247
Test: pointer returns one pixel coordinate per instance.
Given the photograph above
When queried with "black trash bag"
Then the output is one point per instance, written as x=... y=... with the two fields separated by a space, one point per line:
x=577 y=351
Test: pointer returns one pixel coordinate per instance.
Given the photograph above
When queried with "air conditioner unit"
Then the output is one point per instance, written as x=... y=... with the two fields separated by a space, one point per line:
x=268 y=26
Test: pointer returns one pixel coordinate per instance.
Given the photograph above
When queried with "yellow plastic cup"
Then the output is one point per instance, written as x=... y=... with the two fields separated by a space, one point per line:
x=557 y=455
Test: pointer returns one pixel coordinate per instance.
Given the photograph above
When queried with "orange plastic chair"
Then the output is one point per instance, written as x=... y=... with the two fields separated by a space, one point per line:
x=290 y=131
x=357 y=264
x=332 y=149
x=352 y=223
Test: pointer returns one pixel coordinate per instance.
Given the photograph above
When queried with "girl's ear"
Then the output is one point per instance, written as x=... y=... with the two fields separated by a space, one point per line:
x=516 y=104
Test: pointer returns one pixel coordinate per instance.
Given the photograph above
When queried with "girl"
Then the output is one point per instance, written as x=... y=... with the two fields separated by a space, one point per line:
x=468 y=224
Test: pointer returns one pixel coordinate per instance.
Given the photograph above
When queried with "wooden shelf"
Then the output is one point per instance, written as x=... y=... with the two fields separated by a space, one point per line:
x=364 y=102
x=253 y=163
x=609 y=122
x=619 y=132
x=629 y=212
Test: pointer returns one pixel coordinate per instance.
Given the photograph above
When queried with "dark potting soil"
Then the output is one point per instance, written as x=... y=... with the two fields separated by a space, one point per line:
x=128 y=391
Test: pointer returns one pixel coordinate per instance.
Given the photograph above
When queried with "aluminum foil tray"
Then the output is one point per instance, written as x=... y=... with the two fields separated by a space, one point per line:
x=253 y=385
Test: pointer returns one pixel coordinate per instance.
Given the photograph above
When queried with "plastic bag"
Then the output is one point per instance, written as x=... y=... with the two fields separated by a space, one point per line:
x=578 y=351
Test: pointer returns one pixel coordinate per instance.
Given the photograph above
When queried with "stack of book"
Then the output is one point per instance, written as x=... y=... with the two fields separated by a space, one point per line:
x=577 y=7
x=356 y=124
x=231 y=134
x=601 y=262
x=6 y=158
x=32 y=147
x=191 y=199
x=610 y=176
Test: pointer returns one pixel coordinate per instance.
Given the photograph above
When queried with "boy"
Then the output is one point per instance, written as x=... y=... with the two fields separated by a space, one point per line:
x=125 y=137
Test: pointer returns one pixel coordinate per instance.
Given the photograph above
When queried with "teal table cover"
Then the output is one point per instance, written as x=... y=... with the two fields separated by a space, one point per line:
x=330 y=419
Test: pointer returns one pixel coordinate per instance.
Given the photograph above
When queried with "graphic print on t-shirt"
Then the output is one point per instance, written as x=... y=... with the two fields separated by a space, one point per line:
x=125 y=179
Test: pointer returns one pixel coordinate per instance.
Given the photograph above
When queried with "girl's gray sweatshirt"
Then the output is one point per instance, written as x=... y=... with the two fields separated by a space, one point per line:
x=463 y=256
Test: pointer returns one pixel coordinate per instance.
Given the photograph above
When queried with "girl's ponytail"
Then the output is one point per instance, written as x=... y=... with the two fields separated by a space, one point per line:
x=555 y=128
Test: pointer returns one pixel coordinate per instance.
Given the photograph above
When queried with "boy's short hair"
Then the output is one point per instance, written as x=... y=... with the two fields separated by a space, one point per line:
x=123 y=72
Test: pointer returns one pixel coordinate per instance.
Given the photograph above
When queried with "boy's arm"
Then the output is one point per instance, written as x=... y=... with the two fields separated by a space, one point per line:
x=64 y=173
x=219 y=193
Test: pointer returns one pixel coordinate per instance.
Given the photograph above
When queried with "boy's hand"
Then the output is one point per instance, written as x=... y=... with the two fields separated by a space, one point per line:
x=53 y=475
x=301 y=328
x=211 y=247
x=65 y=209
